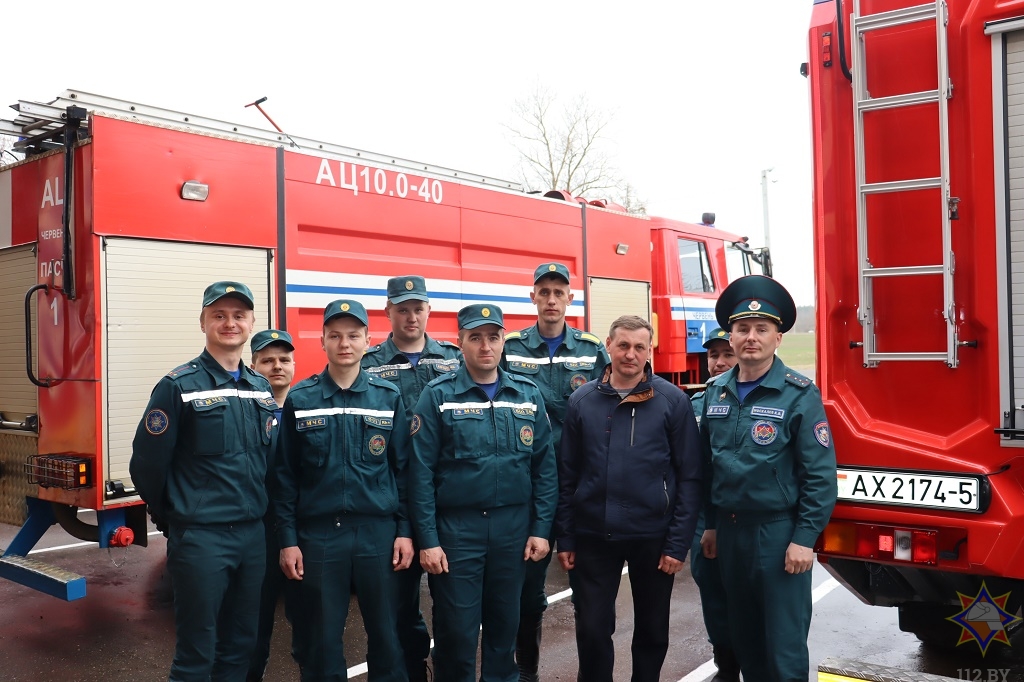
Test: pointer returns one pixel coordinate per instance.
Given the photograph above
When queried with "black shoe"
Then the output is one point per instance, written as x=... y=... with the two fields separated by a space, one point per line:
x=528 y=646
x=728 y=666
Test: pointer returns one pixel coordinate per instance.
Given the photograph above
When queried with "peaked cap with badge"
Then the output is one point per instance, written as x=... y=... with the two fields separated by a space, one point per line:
x=551 y=270
x=346 y=307
x=756 y=296
x=407 y=288
x=717 y=334
x=479 y=314
x=261 y=340
x=219 y=290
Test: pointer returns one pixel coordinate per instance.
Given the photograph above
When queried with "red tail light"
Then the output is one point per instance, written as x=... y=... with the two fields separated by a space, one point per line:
x=883 y=543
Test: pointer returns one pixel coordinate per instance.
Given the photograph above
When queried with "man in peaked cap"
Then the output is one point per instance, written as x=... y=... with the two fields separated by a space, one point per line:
x=705 y=571
x=199 y=460
x=340 y=503
x=559 y=359
x=410 y=359
x=772 y=469
x=482 y=498
x=273 y=356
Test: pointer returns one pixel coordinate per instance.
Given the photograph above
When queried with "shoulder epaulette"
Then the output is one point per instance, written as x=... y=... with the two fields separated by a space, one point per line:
x=513 y=335
x=442 y=379
x=447 y=344
x=698 y=394
x=312 y=380
x=521 y=379
x=797 y=379
x=383 y=383
x=587 y=336
x=183 y=370
x=373 y=349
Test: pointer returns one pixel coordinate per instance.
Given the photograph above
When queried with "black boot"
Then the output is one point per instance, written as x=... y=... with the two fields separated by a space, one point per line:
x=528 y=646
x=728 y=666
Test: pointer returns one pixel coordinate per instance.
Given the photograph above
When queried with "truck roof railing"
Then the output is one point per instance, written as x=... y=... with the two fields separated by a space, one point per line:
x=35 y=117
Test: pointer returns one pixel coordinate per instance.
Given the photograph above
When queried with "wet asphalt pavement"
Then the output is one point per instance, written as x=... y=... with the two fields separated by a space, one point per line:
x=123 y=630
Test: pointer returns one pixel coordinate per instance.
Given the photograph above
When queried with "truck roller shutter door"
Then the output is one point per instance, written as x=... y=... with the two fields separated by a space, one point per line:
x=154 y=293
x=18 y=397
x=612 y=298
x=1015 y=176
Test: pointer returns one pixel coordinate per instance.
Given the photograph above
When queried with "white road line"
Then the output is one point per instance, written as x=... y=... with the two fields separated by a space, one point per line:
x=361 y=669
x=708 y=668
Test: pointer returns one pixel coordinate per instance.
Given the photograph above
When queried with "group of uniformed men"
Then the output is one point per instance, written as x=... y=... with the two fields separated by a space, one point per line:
x=468 y=462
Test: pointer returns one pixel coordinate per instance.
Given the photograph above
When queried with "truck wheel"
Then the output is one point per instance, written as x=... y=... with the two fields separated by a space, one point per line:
x=928 y=623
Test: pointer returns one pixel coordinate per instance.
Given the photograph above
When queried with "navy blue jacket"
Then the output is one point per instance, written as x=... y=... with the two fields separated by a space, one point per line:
x=629 y=468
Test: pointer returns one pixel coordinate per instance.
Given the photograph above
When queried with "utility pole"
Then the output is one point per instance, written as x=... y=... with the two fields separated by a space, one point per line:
x=764 y=204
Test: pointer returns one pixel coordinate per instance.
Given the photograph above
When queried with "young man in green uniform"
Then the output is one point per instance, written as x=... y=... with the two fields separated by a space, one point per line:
x=410 y=359
x=559 y=359
x=273 y=356
x=199 y=460
x=482 y=498
x=705 y=571
x=772 y=469
x=340 y=503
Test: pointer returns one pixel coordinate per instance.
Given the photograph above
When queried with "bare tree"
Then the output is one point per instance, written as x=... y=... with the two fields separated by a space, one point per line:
x=561 y=147
x=7 y=154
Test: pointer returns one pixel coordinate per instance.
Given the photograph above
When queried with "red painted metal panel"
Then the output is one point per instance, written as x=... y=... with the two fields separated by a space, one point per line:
x=915 y=415
x=140 y=169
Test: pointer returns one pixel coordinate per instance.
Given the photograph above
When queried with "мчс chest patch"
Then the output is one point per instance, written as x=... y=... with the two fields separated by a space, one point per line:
x=307 y=423
x=377 y=445
x=764 y=432
x=718 y=410
x=526 y=435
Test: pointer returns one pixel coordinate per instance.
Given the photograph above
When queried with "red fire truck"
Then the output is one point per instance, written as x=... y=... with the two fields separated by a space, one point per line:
x=120 y=214
x=919 y=246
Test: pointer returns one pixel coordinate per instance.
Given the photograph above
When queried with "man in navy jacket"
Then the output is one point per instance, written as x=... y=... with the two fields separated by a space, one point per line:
x=629 y=473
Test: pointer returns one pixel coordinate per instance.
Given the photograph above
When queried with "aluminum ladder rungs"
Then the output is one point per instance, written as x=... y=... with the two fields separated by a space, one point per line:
x=878 y=357
x=900 y=185
x=905 y=271
x=894 y=101
x=896 y=17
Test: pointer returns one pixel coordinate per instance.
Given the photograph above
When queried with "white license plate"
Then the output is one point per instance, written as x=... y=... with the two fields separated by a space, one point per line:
x=909 y=489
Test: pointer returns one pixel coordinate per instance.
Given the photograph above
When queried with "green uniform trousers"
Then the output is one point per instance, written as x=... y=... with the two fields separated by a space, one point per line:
x=339 y=554
x=216 y=572
x=480 y=591
x=769 y=609
x=712 y=593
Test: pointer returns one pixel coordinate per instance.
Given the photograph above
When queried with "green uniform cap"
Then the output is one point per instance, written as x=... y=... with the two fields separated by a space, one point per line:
x=756 y=296
x=261 y=340
x=407 y=288
x=717 y=334
x=346 y=306
x=479 y=314
x=219 y=290
x=551 y=270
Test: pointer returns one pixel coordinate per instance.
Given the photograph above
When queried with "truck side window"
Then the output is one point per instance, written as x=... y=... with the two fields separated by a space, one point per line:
x=694 y=267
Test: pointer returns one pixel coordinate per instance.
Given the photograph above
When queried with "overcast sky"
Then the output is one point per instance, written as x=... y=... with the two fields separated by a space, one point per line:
x=704 y=94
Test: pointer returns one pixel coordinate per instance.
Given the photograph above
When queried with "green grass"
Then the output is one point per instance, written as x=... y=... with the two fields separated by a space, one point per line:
x=797 y=351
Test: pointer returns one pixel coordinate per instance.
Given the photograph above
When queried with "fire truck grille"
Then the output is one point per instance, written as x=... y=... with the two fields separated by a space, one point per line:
x=59 y=471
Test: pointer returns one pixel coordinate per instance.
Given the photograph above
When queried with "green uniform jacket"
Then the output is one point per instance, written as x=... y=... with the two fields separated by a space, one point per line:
x=342 y=451
x=580 y=358
x=385 y=361
x=200 y=453
x=771 y=453
x=473 y=453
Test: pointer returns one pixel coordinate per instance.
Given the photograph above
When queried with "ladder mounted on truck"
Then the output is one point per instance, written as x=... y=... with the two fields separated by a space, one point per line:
x=36 y=117
x=863 y=103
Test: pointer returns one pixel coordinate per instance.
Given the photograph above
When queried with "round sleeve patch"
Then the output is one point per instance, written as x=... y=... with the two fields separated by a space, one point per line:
x=821 y=433
x=526 y=435
x=157 y=422
x=414 y=424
